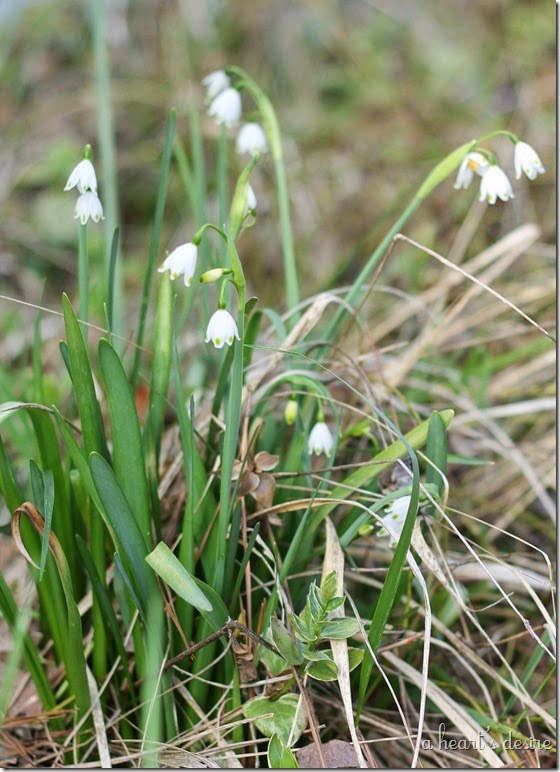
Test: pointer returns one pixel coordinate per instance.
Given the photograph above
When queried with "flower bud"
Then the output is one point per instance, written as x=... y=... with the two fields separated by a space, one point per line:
x=291 y=411
x=214 y=274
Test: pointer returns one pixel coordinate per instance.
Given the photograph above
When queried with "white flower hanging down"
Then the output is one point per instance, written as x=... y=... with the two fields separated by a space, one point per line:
x=83 y=176
x=251 y=139
x=320 y=440
x=215 y=82
x=221 y=328
x=526 y=160
x=495 y=184
x=471 y=163
x=88 y=205
x=393 y=521
x=181 y=262
x=226 y=108
x=251 y=204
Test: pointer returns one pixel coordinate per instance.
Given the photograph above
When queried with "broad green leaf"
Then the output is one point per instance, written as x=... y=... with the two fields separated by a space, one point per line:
x=128 y=451
x=168 y=567
x=341 y=628
x=324 y=670
x=161 y=360
x=316 y=655
x=284 y=715
x=129 y=541
x=315 y=601
x=334 y=604
x=192 y=590
x=355 y=657
x=279 y=755
x=285 y=643
x=301 y=631
x=82 y=380
x=328 y=587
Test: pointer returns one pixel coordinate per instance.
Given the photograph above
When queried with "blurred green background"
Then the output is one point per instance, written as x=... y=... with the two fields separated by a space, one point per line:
x=369 y=96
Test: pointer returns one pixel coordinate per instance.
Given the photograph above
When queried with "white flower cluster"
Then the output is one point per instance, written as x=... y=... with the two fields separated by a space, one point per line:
x=494 y=182
x=224 y=105
x=88 y=205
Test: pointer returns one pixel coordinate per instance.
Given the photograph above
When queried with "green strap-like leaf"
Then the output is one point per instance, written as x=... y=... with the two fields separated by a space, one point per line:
x=128 y=451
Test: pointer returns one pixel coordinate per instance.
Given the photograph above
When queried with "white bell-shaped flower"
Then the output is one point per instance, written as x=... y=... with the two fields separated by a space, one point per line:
x=251 y=139
x=83 y=176
x=393 y=521
x=526 y=160
x=88 y=205
x=182 y=261
x=215 y=82
x=471 y=163
x=320 y=440
x=251 y=204
x=495 y=184
x=226 y=108
x=221 y=328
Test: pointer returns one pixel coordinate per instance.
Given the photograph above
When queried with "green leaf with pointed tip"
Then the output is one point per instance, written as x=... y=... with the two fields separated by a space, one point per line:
x=82 y=380
x=324 y=670
x=334 y=603
x=355 y=657
x=128 y=451
x=192 y=590
x=339 y=629
x=277 y=716
x=285 y=644
x=328 y=587
x=279 y=755
x=301 y=631
x=129 y=540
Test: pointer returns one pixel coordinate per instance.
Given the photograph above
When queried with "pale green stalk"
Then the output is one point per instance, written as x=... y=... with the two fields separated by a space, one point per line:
x=83 y=279
x=272 y=129
x=356 y=292
x=106 y=133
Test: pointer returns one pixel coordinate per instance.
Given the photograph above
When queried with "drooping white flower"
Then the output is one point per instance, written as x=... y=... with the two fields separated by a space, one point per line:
x=495 y=184
x=88 y=205
x=221 y=328
x=215 y=82
x=251 y=139
x=182 y=261
x=393 y=521
x=320 y=440
x=471 y=163
x=226 y=108
x=526 y=160
x=83 y=176
x=251 y=204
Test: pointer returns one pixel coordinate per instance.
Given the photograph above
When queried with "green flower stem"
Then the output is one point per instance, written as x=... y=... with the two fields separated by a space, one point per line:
x=233 y=409
x=222 y=176
x=106 y=133
x=272 y=130
x=154 y=243
x=440 y=172
x=83 y=284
